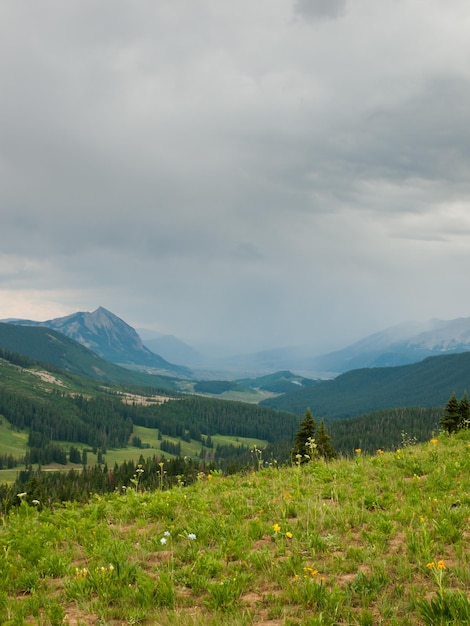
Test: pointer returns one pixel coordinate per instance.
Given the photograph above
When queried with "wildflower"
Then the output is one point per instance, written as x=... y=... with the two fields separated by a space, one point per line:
x=209 y=476
x=289 y=535
x=35 y=502
x=191 y=536
x=380 y=451
x=441 y=565
x=81 y=572
x=276 y=528
x=431 y=565
x=21 y=495
x=358 y=450
x=163 y=541
x=166 y=533
x=434 y=441
x=309 y=571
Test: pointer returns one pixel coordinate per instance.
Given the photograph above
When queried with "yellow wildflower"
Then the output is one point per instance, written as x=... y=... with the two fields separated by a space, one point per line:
x=434 y=441
x=431 y=565
x=289 y=534
x=276 y=528
x=441 y=565
x=310 y=571
x=380 y=451
x=358 y=450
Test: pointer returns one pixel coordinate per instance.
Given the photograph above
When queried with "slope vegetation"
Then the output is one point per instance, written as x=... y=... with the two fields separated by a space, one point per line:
x=373 y=540
x=49 y=346
x=427 y=383
x=57 y=409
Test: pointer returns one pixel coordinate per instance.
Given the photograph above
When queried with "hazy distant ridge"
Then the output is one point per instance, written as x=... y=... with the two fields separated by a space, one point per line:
x=403 y=344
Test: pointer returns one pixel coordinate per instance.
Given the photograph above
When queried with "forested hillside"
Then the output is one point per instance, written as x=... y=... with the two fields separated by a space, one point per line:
x=49 y=346
x=385 y=430
x=56 y=407
x=425 y=384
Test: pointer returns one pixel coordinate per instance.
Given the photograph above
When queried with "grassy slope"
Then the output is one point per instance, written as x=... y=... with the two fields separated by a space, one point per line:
x=11 y=441
x=345 y=543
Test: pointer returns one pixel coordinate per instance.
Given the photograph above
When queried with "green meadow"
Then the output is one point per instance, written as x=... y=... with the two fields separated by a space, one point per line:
x=15 y=443
x=12 y=441
x=379 y=539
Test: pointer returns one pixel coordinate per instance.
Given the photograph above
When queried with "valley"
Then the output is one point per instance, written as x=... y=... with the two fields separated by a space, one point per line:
x=143 y=498
x=175 y=414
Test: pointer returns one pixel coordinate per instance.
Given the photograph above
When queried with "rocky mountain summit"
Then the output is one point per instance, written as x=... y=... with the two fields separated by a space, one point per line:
x=110 y=337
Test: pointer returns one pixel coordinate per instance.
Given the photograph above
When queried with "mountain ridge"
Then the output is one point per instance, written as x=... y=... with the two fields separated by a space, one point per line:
x=50 y=346
x=110 y=337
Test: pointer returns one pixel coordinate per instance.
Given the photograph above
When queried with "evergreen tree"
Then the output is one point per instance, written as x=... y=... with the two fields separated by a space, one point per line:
x=464 y=409
x=451 y=418
x=323 y=441
x=74 y=455
x=304 y=439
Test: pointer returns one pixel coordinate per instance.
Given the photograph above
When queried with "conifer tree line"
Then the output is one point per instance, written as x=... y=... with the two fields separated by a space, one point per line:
x=311 y=441
x=456 y=414
x=383 y=429
x=52 y=488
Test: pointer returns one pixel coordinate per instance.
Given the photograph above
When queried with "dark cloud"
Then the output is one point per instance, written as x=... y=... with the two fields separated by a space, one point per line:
x=320 y=9
x=225 y=173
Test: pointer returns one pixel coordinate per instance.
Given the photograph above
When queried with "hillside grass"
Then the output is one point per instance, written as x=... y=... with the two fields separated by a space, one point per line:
x=379 y=539
x=12 y=441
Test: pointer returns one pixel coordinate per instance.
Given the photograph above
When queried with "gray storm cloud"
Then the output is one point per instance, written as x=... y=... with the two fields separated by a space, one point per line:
x=254 y=174
x=315 y=9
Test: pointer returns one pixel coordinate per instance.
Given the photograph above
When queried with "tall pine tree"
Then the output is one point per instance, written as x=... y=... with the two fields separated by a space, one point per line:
x=464 y=409
x=304 y=437
x=450 y=420
x=323 y=441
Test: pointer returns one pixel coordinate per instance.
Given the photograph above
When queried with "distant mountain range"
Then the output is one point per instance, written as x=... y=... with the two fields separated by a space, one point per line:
x=93 y=344
x=403 y=344
x=173 y=349
x=114 y=340
x=110 y=337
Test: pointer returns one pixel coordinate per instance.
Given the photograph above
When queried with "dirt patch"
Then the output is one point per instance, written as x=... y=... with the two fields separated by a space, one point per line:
x=132 y=398
x=75 y=617
x=47 y=377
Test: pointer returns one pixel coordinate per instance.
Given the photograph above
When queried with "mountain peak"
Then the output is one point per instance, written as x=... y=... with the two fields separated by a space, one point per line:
x=110 y=337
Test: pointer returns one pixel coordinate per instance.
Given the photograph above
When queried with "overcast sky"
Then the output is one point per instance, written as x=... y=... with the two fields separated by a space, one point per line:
x=253 y=173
